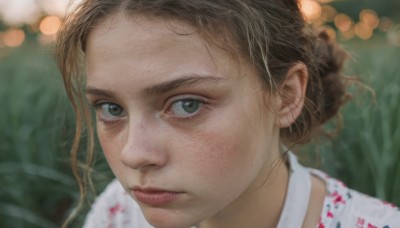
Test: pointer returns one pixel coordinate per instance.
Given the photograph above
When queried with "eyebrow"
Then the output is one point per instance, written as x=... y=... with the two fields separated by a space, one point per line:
x=164 y=87
x=185 y=81
x=98 y=92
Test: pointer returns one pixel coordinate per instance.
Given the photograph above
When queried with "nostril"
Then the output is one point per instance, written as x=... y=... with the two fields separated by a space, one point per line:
x=141 y=147
x=137 y=162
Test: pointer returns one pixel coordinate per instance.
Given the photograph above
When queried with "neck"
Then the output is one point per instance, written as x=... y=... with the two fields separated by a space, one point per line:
x=259 y=206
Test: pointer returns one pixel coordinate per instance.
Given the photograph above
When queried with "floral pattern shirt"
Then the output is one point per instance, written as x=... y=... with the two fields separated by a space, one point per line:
x=343 y=207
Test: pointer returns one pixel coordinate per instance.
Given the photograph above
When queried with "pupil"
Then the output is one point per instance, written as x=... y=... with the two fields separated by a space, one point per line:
x=114 y=110
x=190 y=106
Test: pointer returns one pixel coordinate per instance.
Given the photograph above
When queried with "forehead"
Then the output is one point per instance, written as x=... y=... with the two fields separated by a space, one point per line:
x=147 y=26
x=144 y=45
x=139 y=28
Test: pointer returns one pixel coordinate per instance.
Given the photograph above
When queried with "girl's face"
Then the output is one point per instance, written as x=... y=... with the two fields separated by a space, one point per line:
x=183 y=124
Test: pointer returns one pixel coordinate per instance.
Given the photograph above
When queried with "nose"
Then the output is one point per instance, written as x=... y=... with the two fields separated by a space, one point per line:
x=143 y=148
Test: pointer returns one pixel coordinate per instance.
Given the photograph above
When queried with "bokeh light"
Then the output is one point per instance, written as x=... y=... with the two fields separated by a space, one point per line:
x=328 y=13
x=363 y=31
x=50 y=25
x=343 y=22
x=320 y=12
x=348 y=35
x=370 y=18
x=311 y=9
x=18 y=12
x=385 y=24
x=55 y=7
x=13 y=37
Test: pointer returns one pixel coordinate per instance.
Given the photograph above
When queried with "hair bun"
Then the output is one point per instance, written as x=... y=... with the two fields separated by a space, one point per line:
x=331 y=58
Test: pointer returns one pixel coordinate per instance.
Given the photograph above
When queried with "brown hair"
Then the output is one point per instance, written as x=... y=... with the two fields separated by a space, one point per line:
x=272 y=34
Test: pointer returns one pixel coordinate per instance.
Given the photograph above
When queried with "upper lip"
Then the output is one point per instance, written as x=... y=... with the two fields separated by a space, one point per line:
x=152 y=190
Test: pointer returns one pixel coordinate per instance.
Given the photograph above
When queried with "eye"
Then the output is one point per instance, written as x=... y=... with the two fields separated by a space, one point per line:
x=186 y=107
x=109 y=111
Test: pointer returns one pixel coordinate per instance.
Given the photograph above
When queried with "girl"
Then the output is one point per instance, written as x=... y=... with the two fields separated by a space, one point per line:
x=195 y=102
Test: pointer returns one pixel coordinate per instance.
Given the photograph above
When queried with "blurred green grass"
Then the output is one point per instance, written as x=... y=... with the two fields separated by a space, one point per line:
x=366 y=154
x=36 y=122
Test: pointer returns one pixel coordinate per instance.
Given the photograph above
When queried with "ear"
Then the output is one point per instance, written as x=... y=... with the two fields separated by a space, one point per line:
x=292 y=95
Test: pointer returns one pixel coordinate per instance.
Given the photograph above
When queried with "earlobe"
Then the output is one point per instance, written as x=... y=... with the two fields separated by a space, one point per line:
x=292 y=95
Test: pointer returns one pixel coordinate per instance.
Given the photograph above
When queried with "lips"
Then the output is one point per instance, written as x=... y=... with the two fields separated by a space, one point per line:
x=155 y=197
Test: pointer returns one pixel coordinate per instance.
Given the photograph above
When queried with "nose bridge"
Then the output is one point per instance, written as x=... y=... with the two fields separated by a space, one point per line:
x=138 y=129
x=142 y=147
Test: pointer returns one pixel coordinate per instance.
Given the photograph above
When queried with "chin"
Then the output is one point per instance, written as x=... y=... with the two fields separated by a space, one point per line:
x=164 y=218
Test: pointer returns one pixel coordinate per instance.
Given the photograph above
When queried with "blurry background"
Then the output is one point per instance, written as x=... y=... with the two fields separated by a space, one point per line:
x=36 y=121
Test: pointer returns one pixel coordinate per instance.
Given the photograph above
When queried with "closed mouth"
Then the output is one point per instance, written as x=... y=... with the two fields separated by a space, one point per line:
x=155 y=197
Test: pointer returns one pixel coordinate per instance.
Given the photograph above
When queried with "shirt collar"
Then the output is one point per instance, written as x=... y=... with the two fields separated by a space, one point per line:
x=297 y=196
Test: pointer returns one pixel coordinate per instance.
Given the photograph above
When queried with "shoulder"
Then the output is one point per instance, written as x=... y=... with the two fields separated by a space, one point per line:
x=115 y=208
x=344 y=207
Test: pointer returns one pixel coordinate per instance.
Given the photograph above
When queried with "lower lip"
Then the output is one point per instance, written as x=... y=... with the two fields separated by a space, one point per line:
x=156 y=198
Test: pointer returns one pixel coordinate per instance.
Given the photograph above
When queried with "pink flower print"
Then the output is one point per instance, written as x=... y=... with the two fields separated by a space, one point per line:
x=389 y=204
x=338 y=198
x=114 y=210
x=329 y=214
x=371 y=226
x=360 y=222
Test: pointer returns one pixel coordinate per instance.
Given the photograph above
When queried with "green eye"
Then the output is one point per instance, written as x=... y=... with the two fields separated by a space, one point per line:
x=186 y=107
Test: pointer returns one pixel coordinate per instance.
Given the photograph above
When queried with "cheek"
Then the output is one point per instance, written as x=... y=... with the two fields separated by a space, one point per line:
x=220 y=152
x=230 y=150
x=111 y=143
x=235 y=139
x=224 y=157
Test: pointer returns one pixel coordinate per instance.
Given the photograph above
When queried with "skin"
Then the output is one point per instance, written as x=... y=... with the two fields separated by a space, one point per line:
x=224 y=157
